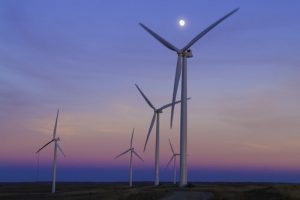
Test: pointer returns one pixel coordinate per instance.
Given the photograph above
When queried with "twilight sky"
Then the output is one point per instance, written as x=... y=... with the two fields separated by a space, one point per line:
x=85 y=56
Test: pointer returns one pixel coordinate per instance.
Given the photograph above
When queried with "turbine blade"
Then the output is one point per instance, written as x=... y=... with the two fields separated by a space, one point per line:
x=160 y=39
x=200 y=35
x=169 y=162
x=146 y=99
x=171 y=146
x=137 y=155
x=122 y=153
x=176 y=83
x=44 y=146
x=168 y=105
x=131 y=138
x=61 y=151
x=151 y=126
x=55 y=125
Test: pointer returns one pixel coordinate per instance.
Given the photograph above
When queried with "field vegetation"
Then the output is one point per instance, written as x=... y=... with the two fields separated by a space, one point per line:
x=145 y=191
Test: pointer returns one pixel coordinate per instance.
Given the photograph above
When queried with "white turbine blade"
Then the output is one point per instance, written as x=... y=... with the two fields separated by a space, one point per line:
x=200 y=35
x=146 y=99
x=168 y=105
x=150 y=129
x=171 y=146
x=61 y=151
x=169 y=162
x=131 y=138
x=159 y=38
x=176 y=83
x=55 y=126
x=137 y=155
x=44 y=146
x=122 y=153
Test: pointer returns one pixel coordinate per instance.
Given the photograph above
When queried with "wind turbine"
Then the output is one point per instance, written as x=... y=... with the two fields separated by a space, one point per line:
x=56 y=146
x=181 y=69
x=174 y=162
x=132 y=152
x=156 y=116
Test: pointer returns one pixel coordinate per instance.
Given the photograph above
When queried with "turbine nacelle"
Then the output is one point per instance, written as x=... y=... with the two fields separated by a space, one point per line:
x=158 y=111
x=187 y=54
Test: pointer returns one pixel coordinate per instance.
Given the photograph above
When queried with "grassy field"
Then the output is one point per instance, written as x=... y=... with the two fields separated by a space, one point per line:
x=145 y=191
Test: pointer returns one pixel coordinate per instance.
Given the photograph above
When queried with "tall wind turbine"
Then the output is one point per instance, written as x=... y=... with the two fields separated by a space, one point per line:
x=55 y=140
x=181 y=68
x=132 y=152
x=156 y=116
x=174 y=162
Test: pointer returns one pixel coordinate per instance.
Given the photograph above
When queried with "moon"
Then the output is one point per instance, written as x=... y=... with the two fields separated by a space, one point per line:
x=181 y=23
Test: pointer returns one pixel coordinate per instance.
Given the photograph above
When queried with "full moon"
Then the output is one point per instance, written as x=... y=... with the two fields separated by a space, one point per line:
x=181 y=22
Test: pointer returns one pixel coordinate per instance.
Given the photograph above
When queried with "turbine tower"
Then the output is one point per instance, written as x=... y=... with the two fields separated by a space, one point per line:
x=156 y=115
x=55 y=140
x=174 y=162
x=132 y=152
x=181 y=69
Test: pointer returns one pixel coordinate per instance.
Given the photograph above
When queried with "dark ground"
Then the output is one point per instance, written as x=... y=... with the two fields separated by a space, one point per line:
x=145 y=191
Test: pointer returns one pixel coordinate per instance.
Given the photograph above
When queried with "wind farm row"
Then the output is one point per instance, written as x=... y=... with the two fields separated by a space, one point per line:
x=181 y=72
x=131 y=150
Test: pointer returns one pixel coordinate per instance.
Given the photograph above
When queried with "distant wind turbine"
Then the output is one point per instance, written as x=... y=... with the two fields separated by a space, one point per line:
x=156 y=116
x=132 y=152
x=181 y=69
x=174 y=162
x=56 y=146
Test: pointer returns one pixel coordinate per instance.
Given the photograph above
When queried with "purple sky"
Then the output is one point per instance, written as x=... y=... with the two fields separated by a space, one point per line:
x=85 y=56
